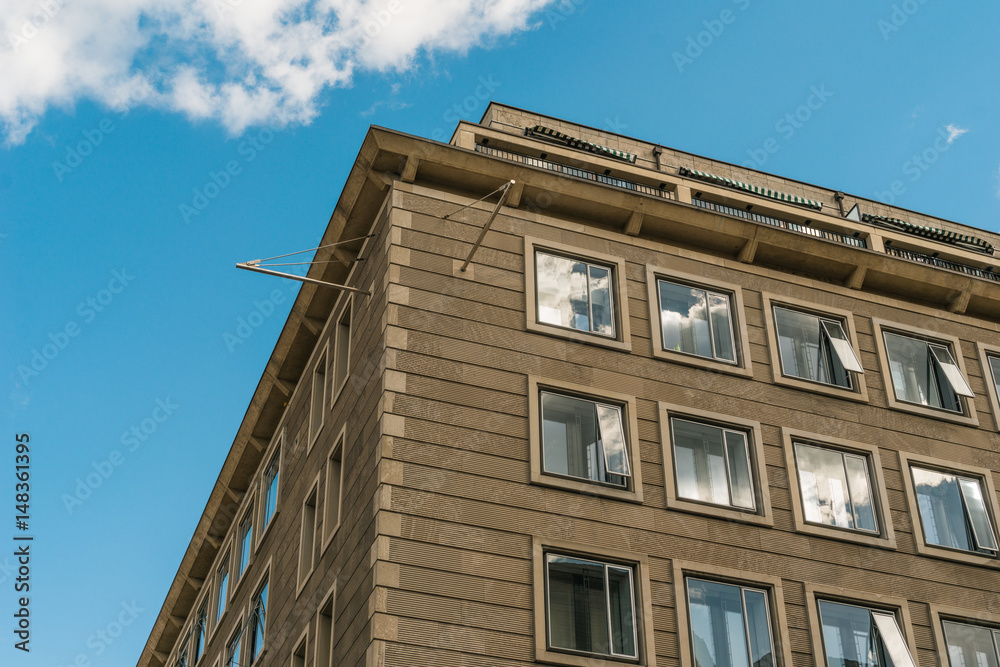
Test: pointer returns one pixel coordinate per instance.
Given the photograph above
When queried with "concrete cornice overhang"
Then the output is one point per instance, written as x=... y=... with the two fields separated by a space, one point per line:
x=387 y=156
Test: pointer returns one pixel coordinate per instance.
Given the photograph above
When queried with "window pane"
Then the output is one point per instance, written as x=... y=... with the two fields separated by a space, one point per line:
x=969 y=645
x=246 y=542
x=860 y=487
x=741 y=486
x=892 y=639
x=602 y=315
x=621 y=606
x=823 y=482
x=342 y=349
x=979 y=518
x=613 y=440
x=941 y=513
x=722 y=327
x=847 y=635
x=577 y=605
x=684 y=319
x=758 y=628
x=222 y=585
x=951 y=371
x=842 y=346
x=995 y=370
x=318 y=397
x=805 y=348
x=914 y=374
x=718 y=632
x=271 y=494
x=571 y=439
x=699 y=452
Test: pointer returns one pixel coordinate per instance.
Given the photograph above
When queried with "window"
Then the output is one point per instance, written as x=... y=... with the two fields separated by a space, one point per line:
x=971 y=645
x=221 y=586
x=953 y=511
x=989 y=358
x=317 y=402
x=994 y=363
x=271 y=489
x=307 y=540
x=182 y=654
x=925 y=373
x=334 y=490
x=696 y=321
x=584 y=438
x=591 y=607
x=576 y=294
x=301 y=650
x=342 y=349
x=699 y=321
x=200 y=631
x=730 y=625
x=258 y=622
x=324 y=634
x=836 y=488
x=233 y=648
x=814 y=348
x=246 y=543
x=712 y=464
x=856 y=636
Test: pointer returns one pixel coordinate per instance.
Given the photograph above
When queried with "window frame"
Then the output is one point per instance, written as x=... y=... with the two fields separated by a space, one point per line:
x=329 y=599
x=622 y=340
x=641 y=596
x=217 y=619
x=741 y=343
x=303 y=574
x=274 y=453
x=206 y=604
x=303 y=643
x=633 y=491
x=347 y=308
x=248 y=512
x=986 y=352
x=880 y=327
x=237 y=635
x=322 y=379
x=329 y=529
x=985 y=477
x=682 y=570
x=250 y=627
x=858 y=392
x=967 y=616
x=897 y=606
x=886 y=536
x=762 y=515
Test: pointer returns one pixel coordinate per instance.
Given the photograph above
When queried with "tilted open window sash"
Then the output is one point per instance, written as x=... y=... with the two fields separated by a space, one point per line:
x=892 y=639
x=951 y=371
x=841 y=345
x=979 y=518
x=612 y=434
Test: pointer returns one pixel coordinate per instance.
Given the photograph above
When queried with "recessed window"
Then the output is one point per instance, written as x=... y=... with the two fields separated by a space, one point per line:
x=258 y=622
x=324 y=635
x=696 y=321
x=835 y=488
x=584 y=438
x=994 y=363
x=300 y=652
x=815 y=348
x=271 y=489
x=200 y=631
x=334 y=497
x=855 y=636
x=591 y=607
x=971 y=645
x=246 y=543
x=712 y=464
x=221 y=586
x=925 y=373
x=575 y=294
x=182 y=654
x=730 y=625
x=307 y=541
x=233 y=648
x=342 y=349
x=953 y=511
x=317 y=402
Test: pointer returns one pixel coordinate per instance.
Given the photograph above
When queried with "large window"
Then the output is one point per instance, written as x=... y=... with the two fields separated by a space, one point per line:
x=200 y=631
x=712 y=464
x=971 y=645
x=334 y=497
x=730 y=625
x=584 y=438
x=307 y=540
x=953 y=511
x=233 y=648
x=815 y=348
x=855 y=636
x=258 y=622
x=245 y=533
x=317 y=399
x=342 y=349
x=575 y=294
x=271 y=489
x=590 y=607
x=836 y=488
x=925 y=373
x=221 y=587
x=696 y=321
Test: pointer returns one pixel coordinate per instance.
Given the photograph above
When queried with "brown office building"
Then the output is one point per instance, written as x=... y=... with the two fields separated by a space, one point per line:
x=672 y=412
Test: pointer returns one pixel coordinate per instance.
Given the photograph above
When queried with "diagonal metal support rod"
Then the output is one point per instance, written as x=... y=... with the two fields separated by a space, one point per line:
x=503 y=199
x=250 y=266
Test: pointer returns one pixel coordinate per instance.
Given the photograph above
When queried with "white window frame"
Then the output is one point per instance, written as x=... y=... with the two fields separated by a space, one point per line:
x=318 y=383
x=339 y=344
x=308 y=542
x=991 y=378
x=884 y=622
x=331 y=523
x=743 y=589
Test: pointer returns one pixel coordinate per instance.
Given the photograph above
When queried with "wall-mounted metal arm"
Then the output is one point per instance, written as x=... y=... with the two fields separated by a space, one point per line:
x=253 y=266
x=503 y=199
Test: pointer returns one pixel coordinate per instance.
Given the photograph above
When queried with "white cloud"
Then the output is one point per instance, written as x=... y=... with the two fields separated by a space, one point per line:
x=954 y=132
x=238 y=62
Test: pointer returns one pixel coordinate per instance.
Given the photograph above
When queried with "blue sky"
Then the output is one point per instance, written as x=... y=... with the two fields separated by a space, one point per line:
x=151 y=146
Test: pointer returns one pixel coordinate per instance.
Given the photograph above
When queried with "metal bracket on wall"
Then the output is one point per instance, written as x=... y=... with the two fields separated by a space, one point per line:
x=496 y=209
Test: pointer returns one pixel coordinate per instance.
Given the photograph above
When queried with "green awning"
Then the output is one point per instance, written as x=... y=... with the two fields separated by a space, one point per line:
x=573 y=142
x=739 y=185
x=943 y=235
